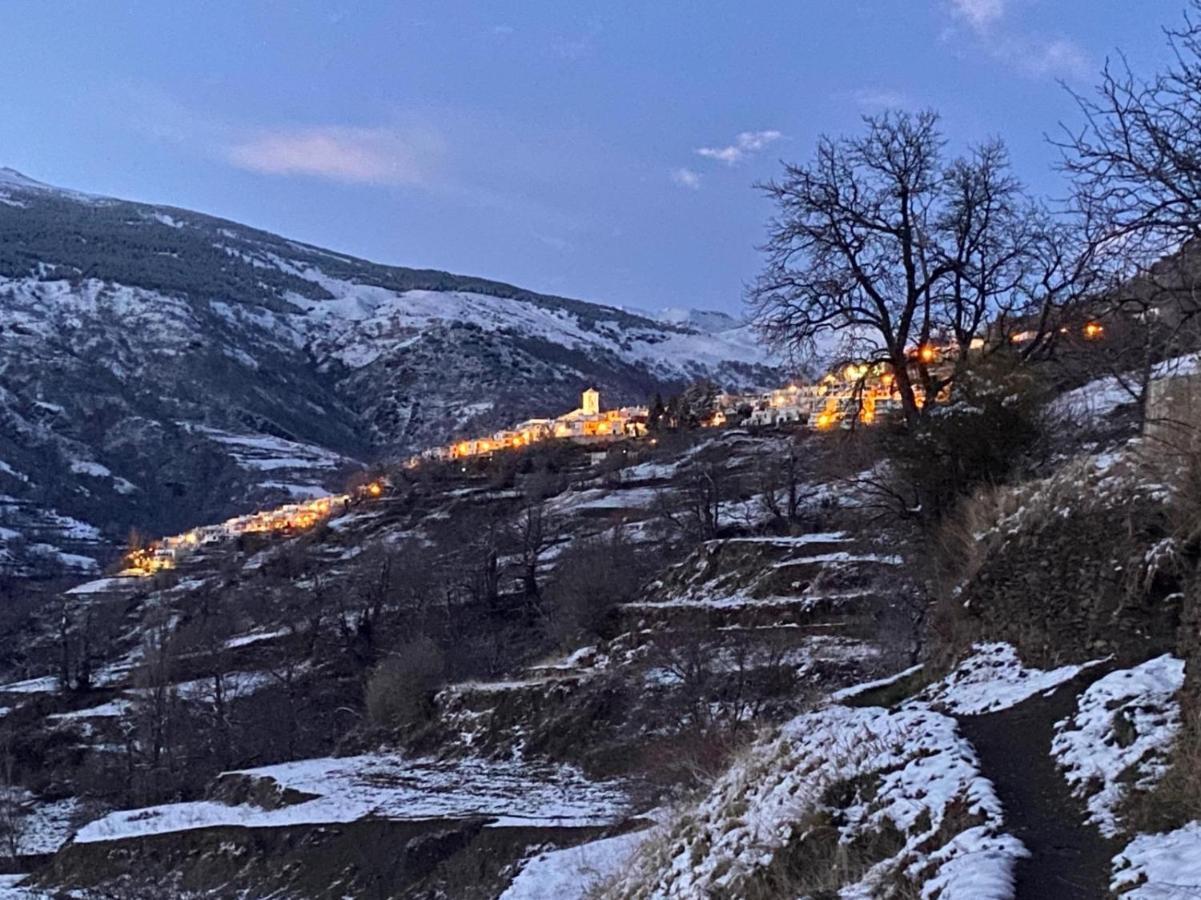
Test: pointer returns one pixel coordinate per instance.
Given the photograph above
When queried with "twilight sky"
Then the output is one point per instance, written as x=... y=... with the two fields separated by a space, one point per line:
x=603 y=150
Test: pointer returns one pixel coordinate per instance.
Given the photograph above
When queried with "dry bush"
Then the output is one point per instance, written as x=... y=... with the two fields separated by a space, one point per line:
x=592 y=577
x=1176 y=798
x=1067 y=567
x=400 y=691
x=994 y=425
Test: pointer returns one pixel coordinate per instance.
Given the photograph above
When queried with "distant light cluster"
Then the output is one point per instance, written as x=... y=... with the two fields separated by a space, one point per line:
x=292 y=517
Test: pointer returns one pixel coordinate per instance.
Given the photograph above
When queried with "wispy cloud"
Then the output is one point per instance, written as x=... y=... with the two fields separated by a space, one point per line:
x=880 y=98
x=686 y=178
x=1060 y=58
x=354 y=155
x=989 y=31
x=745 y=144
x=979 y=14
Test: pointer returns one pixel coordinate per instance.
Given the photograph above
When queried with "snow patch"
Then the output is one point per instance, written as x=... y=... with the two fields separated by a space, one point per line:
x=509 y=793
x=919 y=769
x=573 y=873
x=992 y=679
x=1124 y=724
x=1160 y=866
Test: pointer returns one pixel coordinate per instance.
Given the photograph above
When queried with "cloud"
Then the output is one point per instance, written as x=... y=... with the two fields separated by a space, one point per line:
x=880 y=98
x=1059 y=58
x=745 y=144
x=1028 y=54
x=503 y=30
x=979 y=14
x=686 y=178
x=352 y=155
x=578 y=45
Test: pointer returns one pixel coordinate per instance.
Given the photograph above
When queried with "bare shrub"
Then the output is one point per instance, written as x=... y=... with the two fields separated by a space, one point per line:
x=12 y=816
x=400 y=691
x=592 y=577
x=1064 y=567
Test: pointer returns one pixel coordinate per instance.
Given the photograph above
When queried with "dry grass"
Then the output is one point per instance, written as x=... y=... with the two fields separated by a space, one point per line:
x=816 y=864
x=1176 y=797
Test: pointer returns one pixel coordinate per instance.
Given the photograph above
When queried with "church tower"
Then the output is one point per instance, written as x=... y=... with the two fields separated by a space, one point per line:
x=590 y=402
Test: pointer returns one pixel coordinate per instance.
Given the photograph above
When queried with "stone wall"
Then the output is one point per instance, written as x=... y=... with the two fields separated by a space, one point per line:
x=1174 y=414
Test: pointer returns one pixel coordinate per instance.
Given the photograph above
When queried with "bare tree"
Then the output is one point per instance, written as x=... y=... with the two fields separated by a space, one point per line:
x=779 y=479
x=532 y=533
x=694 y=507
x=155 y=709
x=1136 y=160
x=882 y=245
x=1135 y=163
x=12 y=814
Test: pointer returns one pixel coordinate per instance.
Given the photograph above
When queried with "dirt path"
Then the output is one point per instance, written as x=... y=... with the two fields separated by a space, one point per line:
x=1069 y=859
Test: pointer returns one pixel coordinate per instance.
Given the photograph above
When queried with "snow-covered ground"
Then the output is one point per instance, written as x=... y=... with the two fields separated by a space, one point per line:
x=744 y=601
x=1118 y=738
x=111 y=709
x=44 y=684
x=10 y=885
x=604 y=498
x=856 y=690
x=575 y=872
x=1160 y=866
x=1094 y=401
x=508 y=793
x=991 y=679
x=920 y=769
x=41 y=827
x=294 y=468
x=363 y=323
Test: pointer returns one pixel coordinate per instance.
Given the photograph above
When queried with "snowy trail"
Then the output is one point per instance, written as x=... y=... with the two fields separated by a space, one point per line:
x=1069 y=860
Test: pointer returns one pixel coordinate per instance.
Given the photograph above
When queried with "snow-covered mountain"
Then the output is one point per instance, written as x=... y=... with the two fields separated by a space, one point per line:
x=160 y=367
x=710 y=321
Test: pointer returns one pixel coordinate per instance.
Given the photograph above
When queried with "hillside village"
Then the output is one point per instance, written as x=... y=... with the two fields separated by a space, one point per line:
x=851 y=394
x=854 y=394
x=144 y=561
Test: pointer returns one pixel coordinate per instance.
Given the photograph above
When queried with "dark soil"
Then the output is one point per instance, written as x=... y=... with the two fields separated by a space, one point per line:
x=369 y=859
x=1069 y=860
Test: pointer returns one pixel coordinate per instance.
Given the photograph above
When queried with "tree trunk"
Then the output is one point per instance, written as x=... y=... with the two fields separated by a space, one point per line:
x=905 y=388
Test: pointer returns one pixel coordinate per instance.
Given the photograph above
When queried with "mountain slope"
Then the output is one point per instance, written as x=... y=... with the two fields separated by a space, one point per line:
x=160 y=367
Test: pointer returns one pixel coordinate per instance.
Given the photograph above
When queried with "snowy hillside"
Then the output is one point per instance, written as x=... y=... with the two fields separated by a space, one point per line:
x=143 y=349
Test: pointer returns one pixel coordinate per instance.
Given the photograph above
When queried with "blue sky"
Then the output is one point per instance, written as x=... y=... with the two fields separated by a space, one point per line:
x=598 y=150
